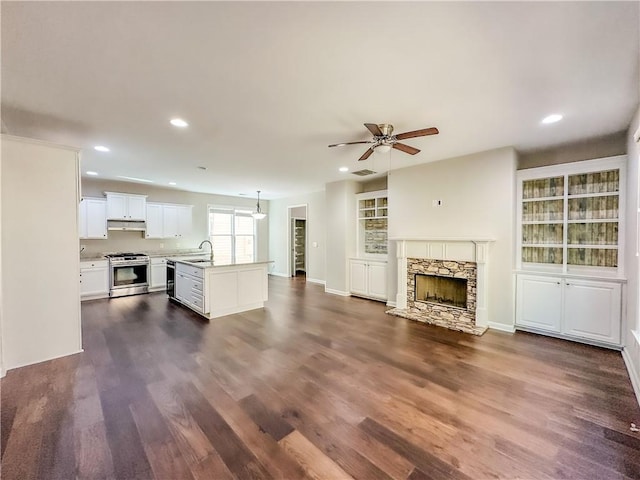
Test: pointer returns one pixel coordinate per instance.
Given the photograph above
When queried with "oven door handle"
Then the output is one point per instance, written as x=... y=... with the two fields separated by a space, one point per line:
x=130 y=264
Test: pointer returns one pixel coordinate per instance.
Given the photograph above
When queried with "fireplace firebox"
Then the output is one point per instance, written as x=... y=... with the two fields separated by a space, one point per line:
x=450 y=291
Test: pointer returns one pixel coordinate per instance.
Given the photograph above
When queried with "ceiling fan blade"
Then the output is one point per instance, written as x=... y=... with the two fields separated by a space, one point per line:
x=374 y=128
x=418 y=133
x=366 y=154
x=405 y=148
x=349 y=143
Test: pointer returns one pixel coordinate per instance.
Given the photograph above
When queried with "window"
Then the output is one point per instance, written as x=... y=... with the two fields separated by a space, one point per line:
x=232 y=232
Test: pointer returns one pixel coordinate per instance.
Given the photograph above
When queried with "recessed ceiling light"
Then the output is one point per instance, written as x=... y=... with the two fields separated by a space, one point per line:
x=178 y=122
x=172 y=183
x=553 y=118
x=344 y=169
x=135 y=179
x=91 y=173
x=101 y=148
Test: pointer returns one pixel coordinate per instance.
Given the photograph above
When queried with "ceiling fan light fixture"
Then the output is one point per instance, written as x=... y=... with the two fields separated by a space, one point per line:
x=258 y=214
x=382 y=148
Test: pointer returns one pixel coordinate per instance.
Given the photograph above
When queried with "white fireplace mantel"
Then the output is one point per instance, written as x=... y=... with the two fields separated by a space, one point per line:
x=454 y=249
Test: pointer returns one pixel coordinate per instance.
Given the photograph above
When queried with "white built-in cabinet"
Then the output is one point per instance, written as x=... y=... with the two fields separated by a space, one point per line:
x=126 y=206
x=94 y=279
x=368 y=271
x=368 y=278
x=168 y=220
x=158 y=273
x=93 y=218
x=570 y=252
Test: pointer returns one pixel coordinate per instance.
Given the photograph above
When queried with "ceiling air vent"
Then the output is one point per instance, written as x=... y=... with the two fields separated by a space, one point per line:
x=364 y=173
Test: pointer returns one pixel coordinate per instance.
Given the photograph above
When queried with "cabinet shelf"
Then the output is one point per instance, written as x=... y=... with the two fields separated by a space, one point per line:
x=569 y=215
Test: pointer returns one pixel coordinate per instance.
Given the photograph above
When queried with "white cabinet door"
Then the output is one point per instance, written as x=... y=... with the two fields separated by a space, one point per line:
x=184 y=220
x=93 y=218
x=377 y=280
x=96 y=222
x=539 y=302
x=94 y=281
x=358 y=276
x=183 y=286
x=159 y=275
x=170 y=221
x=136 y=207
x=592 y=310
x=154 y=221
x=117 y=206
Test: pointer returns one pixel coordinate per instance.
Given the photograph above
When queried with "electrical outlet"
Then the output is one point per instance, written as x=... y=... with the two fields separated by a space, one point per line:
x=314 y=244
x=178 y=245
x=162 y=245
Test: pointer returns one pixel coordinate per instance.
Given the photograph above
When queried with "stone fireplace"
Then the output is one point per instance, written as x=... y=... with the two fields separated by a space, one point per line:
x=440 y=290
x=443 y=282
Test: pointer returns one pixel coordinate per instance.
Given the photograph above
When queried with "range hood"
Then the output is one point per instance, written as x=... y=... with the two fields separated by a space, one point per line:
x=127 y=225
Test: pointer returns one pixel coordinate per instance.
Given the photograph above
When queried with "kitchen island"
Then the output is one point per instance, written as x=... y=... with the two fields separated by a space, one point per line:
x=215 y=289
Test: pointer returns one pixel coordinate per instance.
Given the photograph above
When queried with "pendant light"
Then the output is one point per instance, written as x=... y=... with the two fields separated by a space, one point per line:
x=258 y=215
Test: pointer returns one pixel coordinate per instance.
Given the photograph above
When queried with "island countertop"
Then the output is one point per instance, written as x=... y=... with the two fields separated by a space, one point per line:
x=203 y=263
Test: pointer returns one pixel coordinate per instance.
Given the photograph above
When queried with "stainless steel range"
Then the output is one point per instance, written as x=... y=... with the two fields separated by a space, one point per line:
x=128 y=274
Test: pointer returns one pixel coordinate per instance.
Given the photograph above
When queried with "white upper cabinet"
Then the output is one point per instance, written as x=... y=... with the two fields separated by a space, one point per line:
x=154 y=221
x=126 y=206
x=185 y=220
x=168 y=221
x=372 y=224
x=570 y=218
x=93 y=218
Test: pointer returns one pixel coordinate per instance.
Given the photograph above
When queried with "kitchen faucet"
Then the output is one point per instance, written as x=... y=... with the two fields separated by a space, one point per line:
x=210 y=244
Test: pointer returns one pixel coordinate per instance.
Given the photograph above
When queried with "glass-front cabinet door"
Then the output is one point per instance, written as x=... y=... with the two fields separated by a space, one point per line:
x=569 y=217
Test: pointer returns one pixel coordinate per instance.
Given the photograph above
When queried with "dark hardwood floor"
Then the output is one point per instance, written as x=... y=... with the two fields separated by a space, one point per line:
x=314 y=386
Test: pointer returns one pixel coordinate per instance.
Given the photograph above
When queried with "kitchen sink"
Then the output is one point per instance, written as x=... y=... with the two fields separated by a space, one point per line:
x=198 y=261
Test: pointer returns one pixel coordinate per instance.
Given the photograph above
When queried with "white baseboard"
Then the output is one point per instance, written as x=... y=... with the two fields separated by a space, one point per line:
x=502 y=327
x=391 y=304
x=45 y=359
x=278 y=274
x=337 y=292
x=633 y=374
x=315 y=280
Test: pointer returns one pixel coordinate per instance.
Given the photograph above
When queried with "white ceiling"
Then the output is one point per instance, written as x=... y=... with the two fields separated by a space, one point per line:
x=267 y=86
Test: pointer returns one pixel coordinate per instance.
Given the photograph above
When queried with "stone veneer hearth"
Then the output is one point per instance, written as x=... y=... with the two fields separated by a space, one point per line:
x=454 y=258
x=454 y=318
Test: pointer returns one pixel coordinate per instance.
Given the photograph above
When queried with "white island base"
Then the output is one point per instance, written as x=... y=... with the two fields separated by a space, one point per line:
x=214 y=290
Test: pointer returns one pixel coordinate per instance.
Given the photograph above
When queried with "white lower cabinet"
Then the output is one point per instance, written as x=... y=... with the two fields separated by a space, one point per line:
x=158 y=274
x=539 y=302
x=592 y=310
x=94 y=279
x=190 y=287
x=587 y=310
x=368 y=278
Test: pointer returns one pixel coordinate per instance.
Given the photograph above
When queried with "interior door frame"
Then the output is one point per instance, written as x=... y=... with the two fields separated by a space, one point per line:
x=290 y=218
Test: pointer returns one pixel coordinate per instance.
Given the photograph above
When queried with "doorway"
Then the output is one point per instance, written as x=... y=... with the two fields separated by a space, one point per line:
x=298 y=240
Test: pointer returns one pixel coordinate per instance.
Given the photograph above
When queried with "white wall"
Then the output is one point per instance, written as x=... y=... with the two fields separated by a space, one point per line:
x=341 y=233
x=478 y=194
x=40 y=265
x=128 y=241
x=316 y=232
x=632 y=321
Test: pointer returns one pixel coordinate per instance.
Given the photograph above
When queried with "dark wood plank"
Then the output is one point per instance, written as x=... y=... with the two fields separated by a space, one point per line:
x=268 y=421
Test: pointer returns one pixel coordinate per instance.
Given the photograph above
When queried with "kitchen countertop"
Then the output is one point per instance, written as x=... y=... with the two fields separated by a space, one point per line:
x=214 y=264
